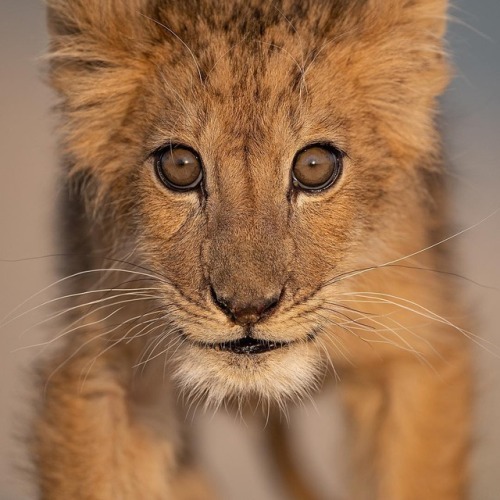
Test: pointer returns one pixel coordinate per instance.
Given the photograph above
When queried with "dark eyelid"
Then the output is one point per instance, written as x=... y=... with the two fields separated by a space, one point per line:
x=163 y=146
x=322 y=144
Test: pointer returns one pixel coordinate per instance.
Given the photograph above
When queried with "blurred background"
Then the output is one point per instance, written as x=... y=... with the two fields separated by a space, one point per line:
x=28 y=188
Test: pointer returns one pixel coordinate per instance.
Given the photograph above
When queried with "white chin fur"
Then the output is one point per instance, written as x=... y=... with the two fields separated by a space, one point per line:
x=214 y=376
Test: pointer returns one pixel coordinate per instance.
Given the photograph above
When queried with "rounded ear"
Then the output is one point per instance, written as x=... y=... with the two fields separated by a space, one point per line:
x=96 y=64
x=96 y=32
x=73 y=17
x=430 y=14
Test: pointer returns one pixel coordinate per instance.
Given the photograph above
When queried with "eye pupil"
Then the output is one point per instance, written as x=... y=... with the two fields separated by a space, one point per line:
x=179 y=168
x=316 y=167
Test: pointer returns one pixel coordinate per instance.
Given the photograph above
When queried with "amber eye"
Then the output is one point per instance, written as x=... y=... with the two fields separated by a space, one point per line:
x=316 y=167
x=178 y=167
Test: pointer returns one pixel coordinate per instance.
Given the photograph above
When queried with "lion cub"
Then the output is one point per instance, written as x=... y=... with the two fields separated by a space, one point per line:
x=253 y=199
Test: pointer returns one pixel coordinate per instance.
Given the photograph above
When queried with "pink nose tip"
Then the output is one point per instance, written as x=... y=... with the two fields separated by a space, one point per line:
x=248 y=313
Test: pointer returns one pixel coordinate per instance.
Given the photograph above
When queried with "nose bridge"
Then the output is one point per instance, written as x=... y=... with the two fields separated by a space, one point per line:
x=248 y=254
x=250 y=234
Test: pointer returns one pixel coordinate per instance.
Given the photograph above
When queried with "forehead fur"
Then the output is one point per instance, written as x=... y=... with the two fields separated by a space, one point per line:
x=126 y=70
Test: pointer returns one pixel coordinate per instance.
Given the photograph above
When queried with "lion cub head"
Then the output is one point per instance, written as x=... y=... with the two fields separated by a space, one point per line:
x=253 y=153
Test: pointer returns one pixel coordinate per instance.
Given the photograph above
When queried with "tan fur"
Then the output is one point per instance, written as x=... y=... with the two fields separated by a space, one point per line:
x=247 y=84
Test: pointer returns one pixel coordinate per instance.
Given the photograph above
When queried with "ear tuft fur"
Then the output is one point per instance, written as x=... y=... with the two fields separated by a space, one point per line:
x=98 y=58
x=430 y=15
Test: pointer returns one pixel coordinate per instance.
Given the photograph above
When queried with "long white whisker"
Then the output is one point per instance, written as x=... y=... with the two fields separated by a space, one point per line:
x=327 y=354
x=123 y=337
x=427 y=313
x=75 y=275
x=395 y=261
x=333 y=339
x=67 y=332
x=151 y=351
x=76 y=351
x=138 y=296
x=79 y=294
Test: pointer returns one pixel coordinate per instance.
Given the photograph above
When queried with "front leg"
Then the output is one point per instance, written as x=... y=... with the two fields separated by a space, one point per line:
x=410 y=427
x=90 y=444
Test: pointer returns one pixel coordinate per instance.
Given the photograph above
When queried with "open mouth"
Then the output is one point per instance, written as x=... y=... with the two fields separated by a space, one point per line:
x=248 y=345
x=251 y=345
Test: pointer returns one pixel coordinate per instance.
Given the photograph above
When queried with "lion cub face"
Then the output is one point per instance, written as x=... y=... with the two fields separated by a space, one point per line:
x=257 y=154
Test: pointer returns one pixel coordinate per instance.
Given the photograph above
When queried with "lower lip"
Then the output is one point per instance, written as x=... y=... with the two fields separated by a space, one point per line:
x=250 y=346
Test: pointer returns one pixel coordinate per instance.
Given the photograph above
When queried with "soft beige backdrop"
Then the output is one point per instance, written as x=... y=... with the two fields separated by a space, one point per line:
x=28 y=187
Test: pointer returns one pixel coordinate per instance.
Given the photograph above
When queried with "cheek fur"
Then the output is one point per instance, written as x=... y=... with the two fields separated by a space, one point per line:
x=163 y=213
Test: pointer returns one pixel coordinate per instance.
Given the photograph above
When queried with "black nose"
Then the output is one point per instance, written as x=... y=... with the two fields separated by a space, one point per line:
x=246 y=313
